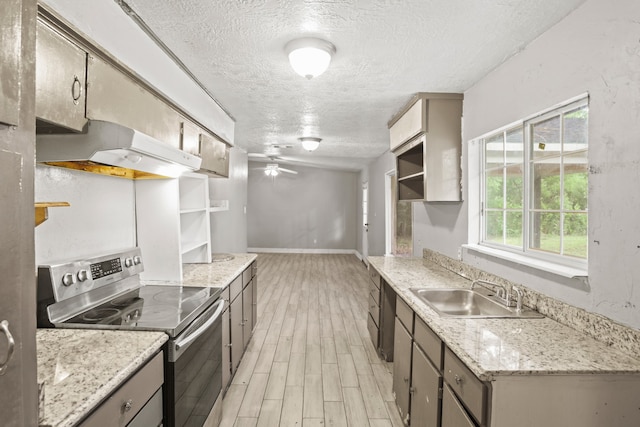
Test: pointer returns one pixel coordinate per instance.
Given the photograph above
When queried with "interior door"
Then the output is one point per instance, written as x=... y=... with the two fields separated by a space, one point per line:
x=365 y=222
x=18 y=386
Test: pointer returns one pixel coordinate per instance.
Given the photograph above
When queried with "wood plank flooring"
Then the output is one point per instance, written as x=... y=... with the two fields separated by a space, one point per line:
x=310 y=361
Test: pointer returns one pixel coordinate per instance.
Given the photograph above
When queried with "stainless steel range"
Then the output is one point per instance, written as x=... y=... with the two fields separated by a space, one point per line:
x=105 y=292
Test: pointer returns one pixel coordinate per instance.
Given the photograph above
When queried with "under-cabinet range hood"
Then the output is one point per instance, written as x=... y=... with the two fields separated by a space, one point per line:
x=111 y=149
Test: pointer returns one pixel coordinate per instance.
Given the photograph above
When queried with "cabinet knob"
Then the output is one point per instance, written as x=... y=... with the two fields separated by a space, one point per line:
x=458 y=379
x=126 y=406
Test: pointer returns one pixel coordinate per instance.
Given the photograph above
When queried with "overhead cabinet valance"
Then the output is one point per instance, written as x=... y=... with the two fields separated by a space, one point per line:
x=426 y=138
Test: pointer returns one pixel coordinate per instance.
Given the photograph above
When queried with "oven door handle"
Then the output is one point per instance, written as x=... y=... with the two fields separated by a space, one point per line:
x=201 y=330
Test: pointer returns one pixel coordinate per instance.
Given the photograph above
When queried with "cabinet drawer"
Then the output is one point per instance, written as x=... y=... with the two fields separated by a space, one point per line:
x=453 y=414
x=246 y=277
x=374 y=292
x=374 y=310
x=254 y=268
x=373 y=331
x=374 y=276
x=136 y=391
x=235 y=288
x=471 y=391
x=428 y=342
x=405 y=314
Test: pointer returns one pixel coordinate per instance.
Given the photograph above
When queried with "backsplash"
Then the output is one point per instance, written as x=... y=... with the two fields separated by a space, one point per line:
x=595 y=325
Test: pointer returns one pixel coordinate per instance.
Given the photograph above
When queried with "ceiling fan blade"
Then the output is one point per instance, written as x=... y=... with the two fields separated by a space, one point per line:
x=287 y=170
x=258 y=155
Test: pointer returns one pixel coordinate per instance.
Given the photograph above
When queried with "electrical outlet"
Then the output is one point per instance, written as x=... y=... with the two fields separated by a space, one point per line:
x=460 y=254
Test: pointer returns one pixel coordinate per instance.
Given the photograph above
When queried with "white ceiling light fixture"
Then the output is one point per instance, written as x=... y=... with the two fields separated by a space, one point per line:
x=271 y=170
x=310 y=143
x=309 y=56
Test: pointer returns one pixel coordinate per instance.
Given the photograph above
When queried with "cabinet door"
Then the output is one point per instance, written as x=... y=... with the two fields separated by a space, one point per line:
x=116 y=97
x=10 y=56
x=226 y=349
x=425 y=385
x=247 y=313
x=237 y=344
x=61 y=69
x=254 y=303
x=453 y=414
x=215 y=155
x=402 y=369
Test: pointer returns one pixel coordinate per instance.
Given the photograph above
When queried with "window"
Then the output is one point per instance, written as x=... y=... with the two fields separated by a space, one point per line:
x=535 y=185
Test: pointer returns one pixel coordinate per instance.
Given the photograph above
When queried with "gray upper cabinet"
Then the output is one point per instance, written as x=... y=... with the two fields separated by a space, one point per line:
x=61 y=69
x=117 y=97
x=426 y=139
x=10 y=40
x=215 y=155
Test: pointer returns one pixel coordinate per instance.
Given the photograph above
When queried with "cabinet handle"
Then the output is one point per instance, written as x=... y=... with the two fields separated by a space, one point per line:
x=459 y=380
x=126 y=407
x=76 y=90
x=4 y=328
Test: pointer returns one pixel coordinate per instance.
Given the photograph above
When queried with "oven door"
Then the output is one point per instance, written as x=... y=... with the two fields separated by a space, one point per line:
x=193 y=371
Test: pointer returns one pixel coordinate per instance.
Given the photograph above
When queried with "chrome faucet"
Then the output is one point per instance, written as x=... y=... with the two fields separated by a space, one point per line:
x=519 y=296
x=503 y=294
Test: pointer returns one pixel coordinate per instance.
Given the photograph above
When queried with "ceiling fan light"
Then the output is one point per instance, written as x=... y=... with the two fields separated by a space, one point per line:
x=309 y=56
x=310 y=143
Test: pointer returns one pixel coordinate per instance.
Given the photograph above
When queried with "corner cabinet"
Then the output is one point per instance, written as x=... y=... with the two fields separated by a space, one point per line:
x=426 y=137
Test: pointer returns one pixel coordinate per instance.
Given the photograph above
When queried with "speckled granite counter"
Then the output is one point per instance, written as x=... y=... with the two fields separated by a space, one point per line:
x=82 y=367
x=500 y=347
x=216 y=274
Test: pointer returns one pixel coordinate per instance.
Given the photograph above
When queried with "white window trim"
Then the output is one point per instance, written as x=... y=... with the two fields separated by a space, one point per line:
x=562 y=266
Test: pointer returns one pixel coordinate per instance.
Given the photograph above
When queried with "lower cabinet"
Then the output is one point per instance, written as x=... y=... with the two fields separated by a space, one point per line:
x=238 y=320
x=402 y=369
x=426 y=382
x=226 y=341
x=138 y=402
x=453 y=414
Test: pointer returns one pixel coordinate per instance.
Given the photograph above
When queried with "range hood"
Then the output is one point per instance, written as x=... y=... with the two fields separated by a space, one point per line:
x=111 y=149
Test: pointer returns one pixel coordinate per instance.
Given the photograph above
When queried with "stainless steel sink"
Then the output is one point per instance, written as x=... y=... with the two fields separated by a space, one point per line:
x=465 y=303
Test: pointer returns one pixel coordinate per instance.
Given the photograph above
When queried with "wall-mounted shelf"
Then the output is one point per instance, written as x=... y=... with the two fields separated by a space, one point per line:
x=219 y=206
x=42 y=210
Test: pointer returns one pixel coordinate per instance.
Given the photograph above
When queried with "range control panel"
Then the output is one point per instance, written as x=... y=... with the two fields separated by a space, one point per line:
x=71 y=278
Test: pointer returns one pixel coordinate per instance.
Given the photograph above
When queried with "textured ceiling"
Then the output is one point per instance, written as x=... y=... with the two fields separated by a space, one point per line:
x=387 y=50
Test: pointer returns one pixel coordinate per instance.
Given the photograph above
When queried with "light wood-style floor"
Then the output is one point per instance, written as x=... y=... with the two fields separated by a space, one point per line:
x=310 y=361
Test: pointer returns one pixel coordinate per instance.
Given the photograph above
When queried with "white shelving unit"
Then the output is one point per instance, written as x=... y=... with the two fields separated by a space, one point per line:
x=195 y=237
x=173 y=228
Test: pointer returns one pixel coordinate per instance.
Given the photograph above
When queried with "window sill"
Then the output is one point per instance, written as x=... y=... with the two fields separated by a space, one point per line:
x=550 y=267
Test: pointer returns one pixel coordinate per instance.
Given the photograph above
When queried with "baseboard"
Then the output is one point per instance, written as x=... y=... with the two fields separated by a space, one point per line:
x=304 y=251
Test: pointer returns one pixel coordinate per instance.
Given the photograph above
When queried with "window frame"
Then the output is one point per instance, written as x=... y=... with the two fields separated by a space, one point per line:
x=525 y=249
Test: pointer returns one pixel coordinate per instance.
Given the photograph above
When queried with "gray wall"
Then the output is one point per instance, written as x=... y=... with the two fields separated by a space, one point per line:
x=315 y=209
x=377 y=171
x=229 y=228
x=596 y=50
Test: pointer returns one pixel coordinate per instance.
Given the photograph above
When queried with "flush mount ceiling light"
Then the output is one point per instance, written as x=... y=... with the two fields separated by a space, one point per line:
x=309 y=56
x=310 y=143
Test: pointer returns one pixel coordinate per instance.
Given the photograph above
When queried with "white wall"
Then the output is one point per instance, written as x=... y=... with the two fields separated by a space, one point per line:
x=314 y=210
x=229 y=228
x=101 y=217
x=596 y=49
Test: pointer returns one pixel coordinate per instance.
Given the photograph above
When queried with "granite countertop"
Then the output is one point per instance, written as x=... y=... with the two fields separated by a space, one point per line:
x=502 y=347
x=216 y=274
x=81 y=367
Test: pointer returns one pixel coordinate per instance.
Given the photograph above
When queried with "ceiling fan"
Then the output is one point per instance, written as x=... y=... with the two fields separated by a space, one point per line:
x=273 y=170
